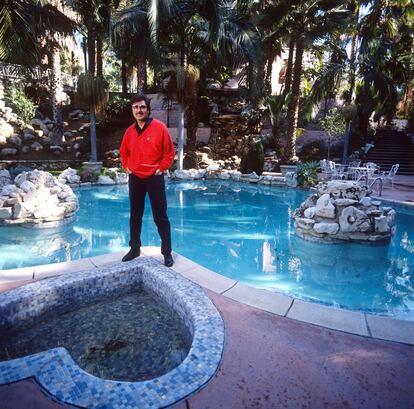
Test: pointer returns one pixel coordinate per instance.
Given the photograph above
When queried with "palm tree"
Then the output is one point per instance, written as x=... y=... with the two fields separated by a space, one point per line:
x=129 y=28
x=309 y=21
x=196 y=31
x=384 y=61
x=23 y=23
x=95 y=17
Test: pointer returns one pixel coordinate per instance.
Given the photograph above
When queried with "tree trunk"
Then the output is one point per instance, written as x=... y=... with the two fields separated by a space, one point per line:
x=99 y=56
x=92 y=114
x=124 y=78
x=191 y=122
x=141 y=69
x=56 y=95
x=91 y=53
x=180 y=137
x=268 y=76
x=293 y=110
x=350 y=95
x=92 y=132
x=85 y=53
x=288 y=76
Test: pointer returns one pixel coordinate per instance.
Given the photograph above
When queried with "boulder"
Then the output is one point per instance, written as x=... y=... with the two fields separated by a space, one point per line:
x=354 y=220
x=324 y=207
x=105 y=180
x=37 y=197
x=5 y=178
x=329 y=228
x=6 y=130
x=8 y=152
x=5 y=212
x=343 y=211
x=15 y=140
x=70 y=176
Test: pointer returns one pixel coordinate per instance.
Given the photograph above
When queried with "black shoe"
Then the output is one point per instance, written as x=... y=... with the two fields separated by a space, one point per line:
x=133 y=253
x=168 y=260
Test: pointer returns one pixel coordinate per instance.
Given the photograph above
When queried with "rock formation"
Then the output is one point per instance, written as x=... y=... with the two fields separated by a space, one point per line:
x=343 y=211
x=35 y=197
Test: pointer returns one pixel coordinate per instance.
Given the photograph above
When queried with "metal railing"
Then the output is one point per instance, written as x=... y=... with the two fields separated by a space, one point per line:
x=19 y=72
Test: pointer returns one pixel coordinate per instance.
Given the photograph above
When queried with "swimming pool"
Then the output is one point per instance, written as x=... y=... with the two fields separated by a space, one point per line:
x=242 y=231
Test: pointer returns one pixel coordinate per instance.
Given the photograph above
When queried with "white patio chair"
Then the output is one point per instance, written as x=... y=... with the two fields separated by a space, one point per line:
x=338 y=171
x=372 y=169
x=354 y=163
x=327 y=168
x=391 y=174
x=352 y=171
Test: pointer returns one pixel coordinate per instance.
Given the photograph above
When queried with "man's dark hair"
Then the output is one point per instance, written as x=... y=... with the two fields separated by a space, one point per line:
x=140 y=97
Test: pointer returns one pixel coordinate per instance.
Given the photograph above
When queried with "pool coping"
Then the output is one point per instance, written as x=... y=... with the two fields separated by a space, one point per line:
x=57 y=372
x=369 y=325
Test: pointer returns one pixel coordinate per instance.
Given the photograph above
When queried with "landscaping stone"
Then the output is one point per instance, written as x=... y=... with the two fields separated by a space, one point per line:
x=69 y=175
x=8 y=151
x=343 y=211
x=5 y=178
x=36 y=197
x=105 y=180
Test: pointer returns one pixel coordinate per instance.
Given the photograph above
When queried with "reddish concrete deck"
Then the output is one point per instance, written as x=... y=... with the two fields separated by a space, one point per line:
x=275 y=362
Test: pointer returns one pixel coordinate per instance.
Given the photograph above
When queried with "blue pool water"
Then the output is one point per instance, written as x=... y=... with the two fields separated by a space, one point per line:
x=244 y=232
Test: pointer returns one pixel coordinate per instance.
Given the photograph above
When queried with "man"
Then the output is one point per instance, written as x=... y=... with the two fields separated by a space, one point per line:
x=146 y=152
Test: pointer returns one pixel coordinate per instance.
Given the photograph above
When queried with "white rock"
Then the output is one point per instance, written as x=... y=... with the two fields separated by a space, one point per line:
x=224 y=175
x=6 y=130
x=70 y=176
x=291 y=179
x=235 y=175
x=36 y=146
x=5 y=178
x=391 y=217
x=27 y=186
x=105 y=180
x=342 y=189
x=8 y=189
x=28 y=136
x=8 y=151
x=121 y=178
x=15 y=140
x=365 y=201
x=304 y=223
x=354 y=220
x=329 y=228
x=20 y=178
x=310 y=212
x=381 y=224
x=324 y=207
x=213 y=168
x=5 y=212
x=345 y=202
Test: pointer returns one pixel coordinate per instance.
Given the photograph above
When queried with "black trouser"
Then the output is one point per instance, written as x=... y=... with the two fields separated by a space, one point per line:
x=155 y=187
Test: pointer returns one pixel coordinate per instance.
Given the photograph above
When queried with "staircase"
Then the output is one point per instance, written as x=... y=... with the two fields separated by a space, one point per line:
x=393 y=147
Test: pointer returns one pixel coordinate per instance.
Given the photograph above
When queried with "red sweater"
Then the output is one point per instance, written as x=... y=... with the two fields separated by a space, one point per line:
x=144 y=154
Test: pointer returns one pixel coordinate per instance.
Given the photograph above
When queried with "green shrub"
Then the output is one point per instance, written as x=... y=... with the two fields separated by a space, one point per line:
x=299 y=132
x=253 y=161
x=20 y=103
x=307 y=173
x=107 y=172
x=118 y=106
